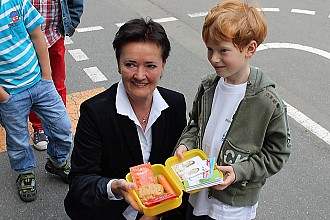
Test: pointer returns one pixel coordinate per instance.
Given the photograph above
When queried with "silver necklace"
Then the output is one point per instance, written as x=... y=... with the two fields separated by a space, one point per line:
x=144 y=119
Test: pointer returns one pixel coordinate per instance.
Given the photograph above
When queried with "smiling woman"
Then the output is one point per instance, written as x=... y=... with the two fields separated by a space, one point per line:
x=133 y=122
x=141 y=67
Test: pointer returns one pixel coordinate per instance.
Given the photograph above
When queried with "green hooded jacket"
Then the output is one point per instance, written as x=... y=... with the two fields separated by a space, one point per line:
x=257 y=144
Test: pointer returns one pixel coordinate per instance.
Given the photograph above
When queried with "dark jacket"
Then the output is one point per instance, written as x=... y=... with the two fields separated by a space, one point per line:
x=257 y=144
x=106 y=145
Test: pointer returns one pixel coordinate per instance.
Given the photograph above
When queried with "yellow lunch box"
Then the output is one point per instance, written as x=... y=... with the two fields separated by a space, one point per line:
x=173 y=180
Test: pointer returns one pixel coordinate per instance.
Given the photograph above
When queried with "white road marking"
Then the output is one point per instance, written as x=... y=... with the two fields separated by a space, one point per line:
x=269 y=9
x=78 y=55
x=300 y=11
x=159 y=20
x=298 y=116
x=198 y=14
x=87 y=29
x=294 y=46
x=67 y=40
x=95 y=74
x=119 y=24
x=204 y=13
x=309 y=124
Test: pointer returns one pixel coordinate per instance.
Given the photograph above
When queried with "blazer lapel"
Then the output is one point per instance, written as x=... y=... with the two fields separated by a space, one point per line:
x=131 y=139
x=158 y=134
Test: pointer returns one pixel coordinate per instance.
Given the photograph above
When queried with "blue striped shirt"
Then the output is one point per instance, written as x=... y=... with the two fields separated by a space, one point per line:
x=19 y=67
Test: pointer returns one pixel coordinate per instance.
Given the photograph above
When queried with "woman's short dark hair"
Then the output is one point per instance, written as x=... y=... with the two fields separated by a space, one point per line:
x=142 y=30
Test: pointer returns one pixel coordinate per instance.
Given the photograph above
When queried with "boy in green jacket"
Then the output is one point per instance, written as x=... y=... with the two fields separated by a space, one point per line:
x=237 y=116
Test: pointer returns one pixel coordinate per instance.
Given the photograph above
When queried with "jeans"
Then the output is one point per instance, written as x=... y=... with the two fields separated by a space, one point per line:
x=57 y=63
x=44 y=100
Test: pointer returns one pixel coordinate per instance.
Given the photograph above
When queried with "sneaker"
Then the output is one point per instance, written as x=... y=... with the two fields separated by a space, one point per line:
x=62 y=171
x=40 y=140
x=26 y=186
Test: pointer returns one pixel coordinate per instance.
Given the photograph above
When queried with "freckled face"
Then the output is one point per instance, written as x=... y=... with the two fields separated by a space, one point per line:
x=141 y=67
x=228 y=61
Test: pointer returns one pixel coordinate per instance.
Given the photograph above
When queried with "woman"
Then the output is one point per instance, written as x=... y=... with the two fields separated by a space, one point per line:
x=131 y=123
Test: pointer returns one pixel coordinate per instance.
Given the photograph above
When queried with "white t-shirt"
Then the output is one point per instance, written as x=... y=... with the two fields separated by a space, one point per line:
x=225 y=102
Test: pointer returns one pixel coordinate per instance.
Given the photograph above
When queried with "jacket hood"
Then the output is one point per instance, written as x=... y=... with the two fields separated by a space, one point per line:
x=257 y=82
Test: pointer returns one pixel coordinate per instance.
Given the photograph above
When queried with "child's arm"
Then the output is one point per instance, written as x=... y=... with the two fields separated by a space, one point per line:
x=39 y=43
x=274 y=153
x=3 y=95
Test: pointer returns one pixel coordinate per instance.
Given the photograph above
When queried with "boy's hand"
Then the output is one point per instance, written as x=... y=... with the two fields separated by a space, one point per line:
x=3 y=95
x=180 y=150
x=121 y=188
x=228 y=179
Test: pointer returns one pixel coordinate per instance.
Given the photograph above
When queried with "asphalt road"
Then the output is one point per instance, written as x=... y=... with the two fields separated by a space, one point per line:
x=299 y=64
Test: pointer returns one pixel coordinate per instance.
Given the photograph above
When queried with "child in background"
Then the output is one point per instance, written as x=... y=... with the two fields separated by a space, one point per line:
x=237 y=116
x=26 y=83
x=61 y=19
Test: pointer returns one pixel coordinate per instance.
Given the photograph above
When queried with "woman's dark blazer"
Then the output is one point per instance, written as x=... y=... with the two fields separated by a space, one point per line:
x=106 y=145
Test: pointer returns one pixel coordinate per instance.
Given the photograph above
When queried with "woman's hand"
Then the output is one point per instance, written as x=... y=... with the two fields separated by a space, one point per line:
x=180 y=150
x=121 y=188
x=145 y=217
x=228 y=179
